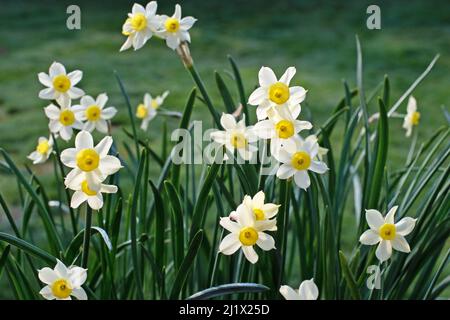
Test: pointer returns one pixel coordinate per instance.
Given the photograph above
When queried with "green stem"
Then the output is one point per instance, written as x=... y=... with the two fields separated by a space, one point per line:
x=86 y=237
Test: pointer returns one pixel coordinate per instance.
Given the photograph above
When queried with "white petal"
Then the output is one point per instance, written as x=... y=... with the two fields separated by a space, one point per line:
x=374 y=219
x=47 y=293
x=75 y=93
x=66 y=133
x=79 y=293
x=384 y=250
x=227 y=121
x=301 y=179
x=412 y=105
x=108 y=188
x=84 y=140
x=87 y=101
x=262 y=110
x=68 y=157
x=230 y=244
x=219 y=136
x=48 y=93
x=78 y=198
x=285 y=171
x=265 y=241
x=102 y=98
x=78 y=276
x=75 y=77
x=308 y=290
x=45 y=79
x=288 y=293
x=52 y=112
x=74 y=178
x=55 y=126
x=250 y=254
x=297 y=95
x=258 y=199
x=257 y=97
x=266 y=77
x=229 y=225
x=318 y=167
x=137 y=8
x=270 y=210
x=390 y=215
x=245 y=216
x=47 y=275
x=127 y=44
x=96 y=202
x=400 y=244
x=370 y=237
x=61 y=269
x=177 y=13
x=302 y=125
x=101 y=126
x=265 y=129
x=150 y=8
x=187 y=22
x=172 y=42
x=288 y=75
x=405 y=226
x=109 y=113
x=109 y=165
x=56 y=69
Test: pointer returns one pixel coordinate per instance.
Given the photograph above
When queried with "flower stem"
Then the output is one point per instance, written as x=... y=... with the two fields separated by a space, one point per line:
x=87 y=237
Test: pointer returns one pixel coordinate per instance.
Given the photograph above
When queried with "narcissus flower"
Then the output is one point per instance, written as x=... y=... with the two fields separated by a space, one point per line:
x=147 y=111
x=262 y=211
x=62 y=120
x=63 y=283
x=245 y=233
x=412 y=117
x=298 y=162
x=61 y=86
x=387 y=233
x=236 y=136
x=275 y=93
x=307 y=291
x=93 y=196
x=95 y=114
x=43 y=150
x=175 y=29
x=141 y=24
x=281 y=128
x=89 y=163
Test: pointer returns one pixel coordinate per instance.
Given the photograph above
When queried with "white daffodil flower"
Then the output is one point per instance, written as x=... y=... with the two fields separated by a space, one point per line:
x=61 y=86
x=308 y=291
x=262 y=211
x=245 y=233
x=175 y=29
x=93 y=197
x=236 y=136
x=298 y=162
x=95 y=114
x=140 y=26
x=43 y=150
x=281 y=128
x=63 y=283
x=62 y=120
x=276 y=93
x=147 y=111
x=412 y=117
x=89 y=163
x=387 y=233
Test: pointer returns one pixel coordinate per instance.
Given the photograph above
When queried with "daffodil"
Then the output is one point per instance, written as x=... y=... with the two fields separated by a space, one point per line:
x=93 y=113
x=147 y=110
x=61 y=86
x=140 y=26
x=62 y=120
x=89 y=163
x=386 y=233
x=43 y=150
x=274 y=93
x=63 y=283
x=236 y=136
x=412 y=117
x=176 y=29
x=281 y=128
x=245 y=233
x=298 y=162
x=93 y=195
x=262 y=211
x=308 y=291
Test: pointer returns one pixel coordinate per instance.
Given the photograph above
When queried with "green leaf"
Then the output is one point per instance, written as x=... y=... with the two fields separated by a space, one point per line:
x=28 y=248
x=230 y=106
x=177 y=214
x=188 y=261
x=225 y=289
x=3 y=258
x=241 y=90
x=348 y=276
x=75 y=245
x=160 y=227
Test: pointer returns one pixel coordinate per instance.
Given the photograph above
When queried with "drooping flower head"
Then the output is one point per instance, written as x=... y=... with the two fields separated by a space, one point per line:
x=175 y=29
x=147 y=110
x=140 y=26
x=93 y=196
x=62 y=283
x=94 y=114
x=307 y=291
x=386 y=233
x=236 y=136
x=61 y=86
x=245 y=233
x=62 y=119
x=274 y=93
x=412 y=117
x=262 y=211
x=43 y=150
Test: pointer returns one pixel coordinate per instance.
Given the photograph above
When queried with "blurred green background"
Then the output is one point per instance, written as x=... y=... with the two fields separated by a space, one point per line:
x=317 y=37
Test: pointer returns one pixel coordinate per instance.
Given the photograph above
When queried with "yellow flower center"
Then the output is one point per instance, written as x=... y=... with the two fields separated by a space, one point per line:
x=301 y=160
x=279 y=93
x=238 y=140
x=61 y=289
x=139 y=22
x=415 y=118
x=86 y=190
x=154 y=104
x=285 y=129
x=387 y=231
x=43 y=147
x=259 y=214
x=67 y=117
x=61 y=83
x=142 y=111
x=248 y=236
x=172 y=25
x=93 y=113
x=87 y=159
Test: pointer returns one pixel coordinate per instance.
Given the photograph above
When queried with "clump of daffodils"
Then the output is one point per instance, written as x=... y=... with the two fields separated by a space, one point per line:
x=412 y=117
x=43 y=150
x=148 y=110
x=63 y=283
x=142 y=23
x=386 y=233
